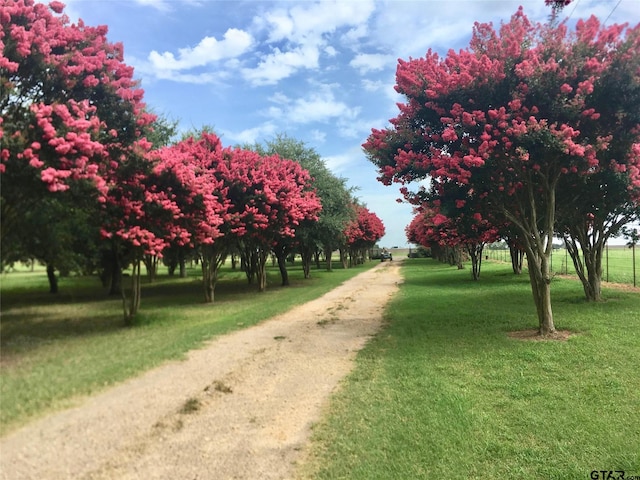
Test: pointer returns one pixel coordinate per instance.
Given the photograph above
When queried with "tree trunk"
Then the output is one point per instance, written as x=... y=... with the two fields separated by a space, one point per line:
x=53 y=280
x=344 y=258
x=131 y=305
x=136 y=287
x=211 y=258
x=209 y=277
x=591 y=261
x=517 y=257
x=115 y=271
x=261 y=270
x=151 y=264
x=328 y=253
x=249 y=262
x=535 y=232
x=475 y=252
x=183 y=266
x=541 y=288
x=455 y=256
x=171 y=268
x=116 y=281
x=306 y=254
x=281 y=256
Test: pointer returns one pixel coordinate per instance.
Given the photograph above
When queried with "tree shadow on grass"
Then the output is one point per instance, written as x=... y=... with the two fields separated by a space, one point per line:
x=456 y=314
x=32 y=318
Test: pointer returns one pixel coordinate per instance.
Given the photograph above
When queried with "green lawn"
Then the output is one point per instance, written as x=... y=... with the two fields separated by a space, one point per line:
x=55 y=349
x=443 y=392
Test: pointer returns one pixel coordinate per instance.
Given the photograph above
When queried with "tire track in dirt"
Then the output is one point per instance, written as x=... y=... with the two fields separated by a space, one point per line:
x=241 y=407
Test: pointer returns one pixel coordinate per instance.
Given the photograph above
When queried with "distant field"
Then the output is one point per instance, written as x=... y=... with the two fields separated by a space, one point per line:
x=617 y=266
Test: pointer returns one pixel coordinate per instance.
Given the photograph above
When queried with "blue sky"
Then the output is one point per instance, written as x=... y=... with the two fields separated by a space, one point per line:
x=321 y=72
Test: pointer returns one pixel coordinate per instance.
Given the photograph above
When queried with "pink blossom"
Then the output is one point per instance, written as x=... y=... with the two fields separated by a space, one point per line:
x=449 y=135
x=566 y=88
x=439 y=219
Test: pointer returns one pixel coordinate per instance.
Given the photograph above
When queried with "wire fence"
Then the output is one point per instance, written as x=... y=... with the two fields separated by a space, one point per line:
x=620 y=264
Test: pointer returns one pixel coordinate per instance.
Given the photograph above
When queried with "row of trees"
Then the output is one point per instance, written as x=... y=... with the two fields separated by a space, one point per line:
x=529 y=132
x=90 y=181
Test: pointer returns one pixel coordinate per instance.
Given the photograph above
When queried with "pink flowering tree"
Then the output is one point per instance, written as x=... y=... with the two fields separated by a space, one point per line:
x=460 y=220
x=417 y=230
x=270 y=198
x=72 y=116
x=362 y=233
x=431 y=229
x=594 y=206
x=139 y=219
x=507 y=118
x=312 y=236
x=191 y=173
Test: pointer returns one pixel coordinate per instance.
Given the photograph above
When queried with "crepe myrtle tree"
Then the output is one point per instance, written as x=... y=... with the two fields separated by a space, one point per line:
x=362 y=233
x=73 y=114
x=605 y=200
x=70 y=113
x=431 y=229
x=191 y=172
x=139 y=219
x=326 y=233
x=270 y=197
x=460 y=221
x=594 y=206
x=508 y=117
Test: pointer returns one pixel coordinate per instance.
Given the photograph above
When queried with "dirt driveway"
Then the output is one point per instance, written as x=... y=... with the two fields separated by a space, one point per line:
x=241 y=407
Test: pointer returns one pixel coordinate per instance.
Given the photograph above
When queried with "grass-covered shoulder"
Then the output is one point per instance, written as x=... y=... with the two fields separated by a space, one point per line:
x=444 y=392
x=58 y=348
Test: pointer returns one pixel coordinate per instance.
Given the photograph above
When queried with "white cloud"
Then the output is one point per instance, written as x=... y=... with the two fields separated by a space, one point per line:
x=280 y=25
x=338 y=163
x=250 y=135
x=209 y=50
x=318 y=106
x=395 y=216
x=303 y=32
x=366 y=62
x=279 y=98
x=373 y=85
x=163 y=5
x=279 y=65
x=318 y=136
x=330 y=51
x=354 y=35
x=309 y=20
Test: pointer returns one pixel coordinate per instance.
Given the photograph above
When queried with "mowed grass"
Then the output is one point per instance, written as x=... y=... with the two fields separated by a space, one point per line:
x=57 y=348
x=444 y=392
